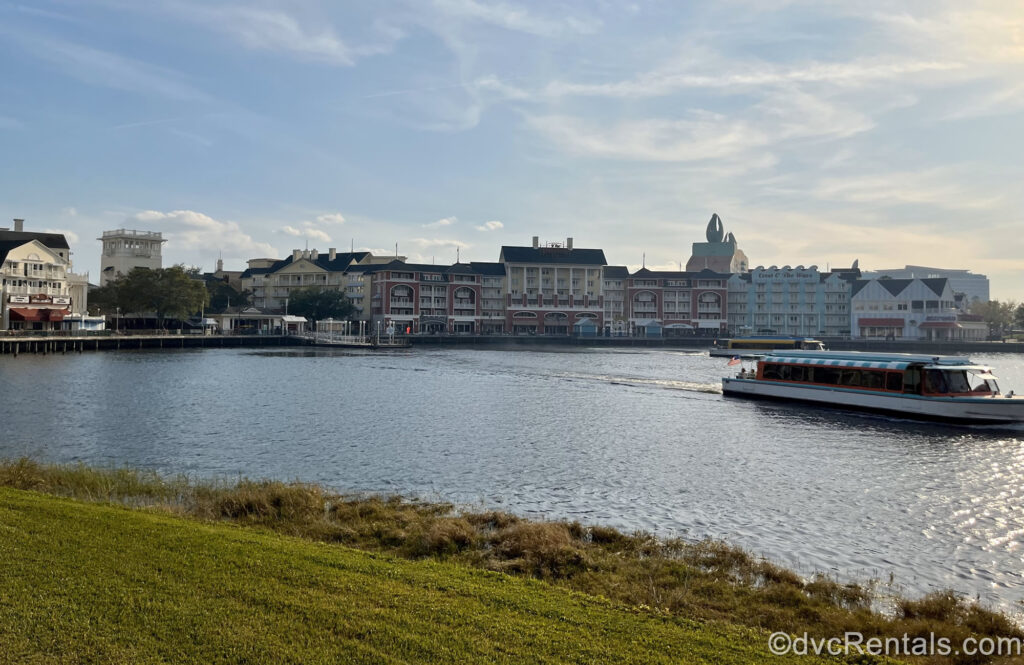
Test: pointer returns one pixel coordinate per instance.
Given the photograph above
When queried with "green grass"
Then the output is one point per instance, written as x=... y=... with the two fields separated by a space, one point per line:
x=94 y=583
x=707 y=581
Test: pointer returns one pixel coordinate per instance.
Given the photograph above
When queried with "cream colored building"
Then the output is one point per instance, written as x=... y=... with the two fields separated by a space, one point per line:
x=126 y=249
x=38 y=289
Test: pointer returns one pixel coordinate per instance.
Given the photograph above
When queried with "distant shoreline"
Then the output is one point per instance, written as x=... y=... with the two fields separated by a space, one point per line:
x=15 y=345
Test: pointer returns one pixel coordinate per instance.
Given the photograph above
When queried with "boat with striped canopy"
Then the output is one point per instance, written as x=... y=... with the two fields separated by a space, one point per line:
x=949 y=388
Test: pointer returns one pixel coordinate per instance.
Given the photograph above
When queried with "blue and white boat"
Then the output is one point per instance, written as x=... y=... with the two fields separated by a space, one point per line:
x=949 y=388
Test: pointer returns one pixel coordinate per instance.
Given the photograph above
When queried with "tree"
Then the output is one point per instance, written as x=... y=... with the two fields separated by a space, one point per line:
x=998 y=315
x=167 y=293
x=317 y=303
x=223 y=295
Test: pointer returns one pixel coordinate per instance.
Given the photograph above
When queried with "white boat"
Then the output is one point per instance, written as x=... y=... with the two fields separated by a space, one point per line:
x=744 y=346
x=948 y=388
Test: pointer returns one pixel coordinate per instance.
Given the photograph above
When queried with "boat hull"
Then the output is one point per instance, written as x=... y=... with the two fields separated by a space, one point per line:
x=968 y=410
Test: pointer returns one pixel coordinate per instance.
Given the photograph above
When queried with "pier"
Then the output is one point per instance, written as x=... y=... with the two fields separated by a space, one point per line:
x=45 y=345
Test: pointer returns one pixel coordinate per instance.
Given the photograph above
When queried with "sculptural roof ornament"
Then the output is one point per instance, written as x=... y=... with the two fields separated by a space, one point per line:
x=715 y=231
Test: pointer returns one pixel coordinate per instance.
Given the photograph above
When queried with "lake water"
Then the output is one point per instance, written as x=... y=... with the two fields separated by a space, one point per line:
x=638 y=439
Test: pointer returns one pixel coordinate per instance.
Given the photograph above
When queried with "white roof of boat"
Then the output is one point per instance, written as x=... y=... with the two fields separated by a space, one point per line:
x=865 y=356
x=873 y=363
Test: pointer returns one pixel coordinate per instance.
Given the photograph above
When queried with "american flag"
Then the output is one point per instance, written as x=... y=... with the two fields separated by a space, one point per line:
x=736 y=360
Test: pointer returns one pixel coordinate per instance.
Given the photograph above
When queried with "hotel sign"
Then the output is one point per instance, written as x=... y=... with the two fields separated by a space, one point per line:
x=771 y=275
x=39 y=299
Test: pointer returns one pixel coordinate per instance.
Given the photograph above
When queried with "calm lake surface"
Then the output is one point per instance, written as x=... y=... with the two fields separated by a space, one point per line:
x=638 y=439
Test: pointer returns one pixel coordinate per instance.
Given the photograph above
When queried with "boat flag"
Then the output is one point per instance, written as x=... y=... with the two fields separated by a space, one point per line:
x=736 y=360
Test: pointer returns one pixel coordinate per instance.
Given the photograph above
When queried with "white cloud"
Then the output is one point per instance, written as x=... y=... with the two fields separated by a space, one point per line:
x=444 y=221
x=107 y=69
x=426 y=243
x=719 y=74
x=706 y=135
x=331 y=218
x=307 y=231
x=198 y=233
x=70 y=211
x=70 y=235
x=516 y=18
x=490 y=226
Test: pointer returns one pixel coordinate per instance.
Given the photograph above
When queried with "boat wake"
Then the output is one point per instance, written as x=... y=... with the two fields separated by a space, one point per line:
x=641 y=382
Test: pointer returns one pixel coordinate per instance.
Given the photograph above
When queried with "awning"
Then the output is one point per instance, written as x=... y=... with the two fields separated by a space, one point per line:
x=888 y=323
x=57 y=315
x=27 y=314
x=288 y=318
x=940 y=324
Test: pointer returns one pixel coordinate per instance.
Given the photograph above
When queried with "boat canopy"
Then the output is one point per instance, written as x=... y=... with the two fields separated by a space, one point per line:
x=876 y=357
x=976 y=369
x=838 y=362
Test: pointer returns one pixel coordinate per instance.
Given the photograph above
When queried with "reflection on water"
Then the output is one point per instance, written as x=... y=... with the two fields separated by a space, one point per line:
x=640 y=439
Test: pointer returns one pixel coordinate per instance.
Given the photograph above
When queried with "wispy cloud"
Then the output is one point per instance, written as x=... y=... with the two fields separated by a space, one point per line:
x=444 y=221
x=331 y=218
x=107 y=69
x=517 y=18
x=490 y=226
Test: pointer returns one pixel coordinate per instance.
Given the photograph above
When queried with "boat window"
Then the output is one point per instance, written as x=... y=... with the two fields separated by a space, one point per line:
x=771 y=371
x=983 y=383
x=956 y=382
x=797 y=373
x=850 y=377
x=935 y=382
x=912 y=380
x=893 y=381
x=829 y=375
x=872 y=379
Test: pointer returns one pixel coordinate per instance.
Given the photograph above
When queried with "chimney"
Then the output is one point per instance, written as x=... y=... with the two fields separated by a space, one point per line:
x=536 y=242
x=314 y=255
x=568 y=243
x=19 y=225
x=332 y=253
x=220 y=265
x=296 y=254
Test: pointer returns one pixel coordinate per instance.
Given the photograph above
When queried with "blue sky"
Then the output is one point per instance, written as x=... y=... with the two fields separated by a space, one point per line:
x=821 y=132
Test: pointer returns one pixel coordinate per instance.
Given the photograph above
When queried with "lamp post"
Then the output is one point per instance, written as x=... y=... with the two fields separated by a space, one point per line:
x=117 y=321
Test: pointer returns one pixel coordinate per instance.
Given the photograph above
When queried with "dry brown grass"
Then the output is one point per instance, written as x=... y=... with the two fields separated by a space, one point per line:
x=708 y=580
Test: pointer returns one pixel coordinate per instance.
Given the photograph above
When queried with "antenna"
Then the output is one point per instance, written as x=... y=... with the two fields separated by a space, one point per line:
x=396 y=250
x=644 y=260
x=457 y=254
x=352 y=246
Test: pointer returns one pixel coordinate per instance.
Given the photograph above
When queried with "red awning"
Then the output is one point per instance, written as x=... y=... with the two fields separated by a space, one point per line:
x=940 y=324
x=27 y=314
x=57 y=315
x=882 y=322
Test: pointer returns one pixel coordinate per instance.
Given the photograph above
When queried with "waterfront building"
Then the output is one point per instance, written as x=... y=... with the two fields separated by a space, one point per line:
x=973 y=286
x=791 y=301
x=720 y=253
x=616 y=315
x=271 y=281
x=668 y=303
x=38 y=289
x=549 y=288
x=127 y=249
x=426 y=298
x=909 y=309
x=492 y=296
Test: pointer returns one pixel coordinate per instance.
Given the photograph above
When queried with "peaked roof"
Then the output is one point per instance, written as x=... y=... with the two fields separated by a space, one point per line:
x=7 y=245
x=339 y=264
x=616 y=272
x=50 y=240
x=936 y=284
x=487 y=268
x=593 y=257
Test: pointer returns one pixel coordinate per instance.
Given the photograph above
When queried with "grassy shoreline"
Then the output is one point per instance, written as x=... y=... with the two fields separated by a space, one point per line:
x=709 y=582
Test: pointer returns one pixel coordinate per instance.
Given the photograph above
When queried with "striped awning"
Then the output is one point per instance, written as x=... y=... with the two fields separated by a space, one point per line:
x=838 y=363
